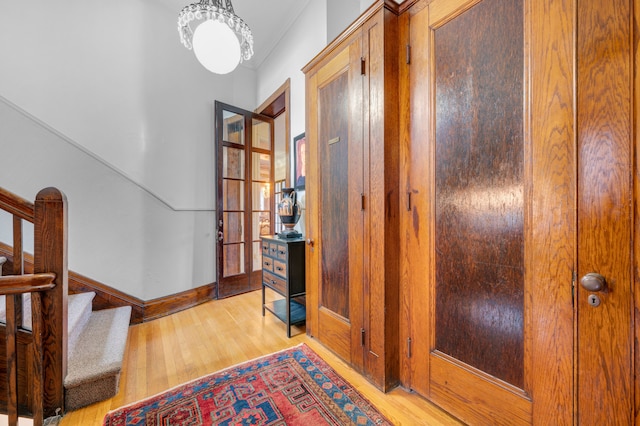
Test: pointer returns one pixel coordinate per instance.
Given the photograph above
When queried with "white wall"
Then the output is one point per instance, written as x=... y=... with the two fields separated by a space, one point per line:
x=101 y=100
x=304 y=40
x=118 y=233
x=111 y=78
x=364 y=4
x=340 y=14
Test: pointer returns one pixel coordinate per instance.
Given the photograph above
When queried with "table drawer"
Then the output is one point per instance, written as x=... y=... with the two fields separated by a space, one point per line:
x=274 y=282
x=265 y=248
x=279 y=251
x=267 y=264
x=280 y=268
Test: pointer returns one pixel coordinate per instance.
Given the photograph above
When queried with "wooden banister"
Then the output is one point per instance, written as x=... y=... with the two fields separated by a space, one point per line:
x=11 y=287
x=18 y=284
x=50 y=255
x=49 y=291
x=16 y=205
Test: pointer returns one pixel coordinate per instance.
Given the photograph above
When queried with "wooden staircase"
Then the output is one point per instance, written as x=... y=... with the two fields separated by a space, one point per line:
x=96 y=345
x=60 y=355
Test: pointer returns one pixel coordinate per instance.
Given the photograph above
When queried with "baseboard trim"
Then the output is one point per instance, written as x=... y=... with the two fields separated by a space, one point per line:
x=109 y=297
x=167 y=305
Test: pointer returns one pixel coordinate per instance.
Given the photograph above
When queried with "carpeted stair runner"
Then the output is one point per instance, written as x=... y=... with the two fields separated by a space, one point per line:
x=94 y=364
x=97 y=341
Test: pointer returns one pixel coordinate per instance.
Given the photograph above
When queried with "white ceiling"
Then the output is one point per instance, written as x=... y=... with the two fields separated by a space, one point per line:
x=269 y=20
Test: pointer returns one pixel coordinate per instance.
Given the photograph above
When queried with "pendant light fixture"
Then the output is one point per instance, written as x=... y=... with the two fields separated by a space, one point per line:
x=221 y=39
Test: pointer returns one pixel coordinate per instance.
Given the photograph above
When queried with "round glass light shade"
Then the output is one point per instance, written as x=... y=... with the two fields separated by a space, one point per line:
x=216 y=46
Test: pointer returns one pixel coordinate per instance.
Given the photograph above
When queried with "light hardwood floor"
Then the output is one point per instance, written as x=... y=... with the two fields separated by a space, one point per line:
x=172 y=350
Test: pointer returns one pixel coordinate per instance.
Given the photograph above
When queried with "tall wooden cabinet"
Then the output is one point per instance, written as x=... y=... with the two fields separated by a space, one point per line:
x=485 y=180
x=520 y=157
x=352 y=196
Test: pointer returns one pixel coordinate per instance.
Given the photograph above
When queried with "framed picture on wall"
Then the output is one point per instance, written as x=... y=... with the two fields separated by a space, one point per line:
x=299 y=159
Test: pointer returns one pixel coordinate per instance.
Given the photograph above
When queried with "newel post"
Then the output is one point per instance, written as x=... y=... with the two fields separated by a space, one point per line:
x=50 y=255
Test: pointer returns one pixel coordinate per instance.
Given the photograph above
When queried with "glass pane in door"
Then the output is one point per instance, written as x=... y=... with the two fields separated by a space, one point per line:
x=232 y=127
x=261 y=224
x=479 y=230
x=261 y=195
x=234 y=227
x=233 y=216
x=233 y=194
x=261 y=167
x=260 y=202
x=232 y=163
x=234 y=259
x=261 y=134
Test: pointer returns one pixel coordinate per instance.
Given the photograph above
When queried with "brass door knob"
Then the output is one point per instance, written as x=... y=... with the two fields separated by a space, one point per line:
x=593 y=282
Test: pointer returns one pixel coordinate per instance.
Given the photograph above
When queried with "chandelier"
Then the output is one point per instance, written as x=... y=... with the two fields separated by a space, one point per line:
x=221 y=39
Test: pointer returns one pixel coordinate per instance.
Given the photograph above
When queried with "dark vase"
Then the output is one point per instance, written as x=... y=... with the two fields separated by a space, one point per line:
x=289 y=212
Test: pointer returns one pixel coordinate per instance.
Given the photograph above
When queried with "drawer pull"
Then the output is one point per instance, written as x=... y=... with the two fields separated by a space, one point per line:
x=282 y=252
x=279 y=268
x=267 y=264
x=273 y=282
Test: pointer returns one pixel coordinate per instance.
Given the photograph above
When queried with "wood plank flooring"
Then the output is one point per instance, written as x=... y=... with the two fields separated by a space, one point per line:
x=172 y=350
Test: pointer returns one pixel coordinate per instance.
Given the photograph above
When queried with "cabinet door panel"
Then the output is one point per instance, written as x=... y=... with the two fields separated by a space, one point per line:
x=479 y=276
x=479 y=223
x=335 y=217
x=333 y=137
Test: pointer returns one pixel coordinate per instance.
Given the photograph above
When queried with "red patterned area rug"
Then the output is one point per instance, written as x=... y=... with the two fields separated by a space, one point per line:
x=292 y=387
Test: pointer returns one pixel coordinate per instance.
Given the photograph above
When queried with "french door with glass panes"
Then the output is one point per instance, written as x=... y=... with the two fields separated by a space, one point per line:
x=244 y=153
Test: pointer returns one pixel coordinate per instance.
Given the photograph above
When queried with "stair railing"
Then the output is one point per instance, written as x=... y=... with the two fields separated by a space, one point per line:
x=48 y=286
x=12 y=287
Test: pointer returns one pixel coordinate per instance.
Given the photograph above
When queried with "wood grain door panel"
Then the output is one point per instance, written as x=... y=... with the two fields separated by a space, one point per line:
x=479 y=186
x=605 y=212
x=575 y=361
x=490 y=235
x=335 y=183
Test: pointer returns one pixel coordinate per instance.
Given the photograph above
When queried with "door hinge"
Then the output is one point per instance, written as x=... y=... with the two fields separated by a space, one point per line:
x=408 y=54
x=409 y=347
x=362 y=201
x=363 y=66
x=362 y=337
x=408 y=201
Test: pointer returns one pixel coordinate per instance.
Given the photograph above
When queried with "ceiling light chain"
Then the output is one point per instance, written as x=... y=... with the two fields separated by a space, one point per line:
x=215 y=10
